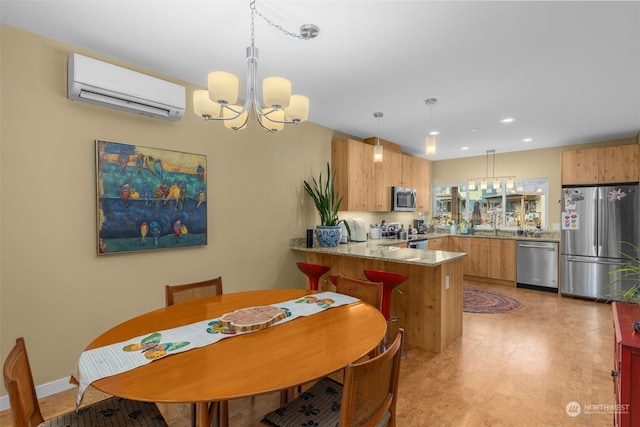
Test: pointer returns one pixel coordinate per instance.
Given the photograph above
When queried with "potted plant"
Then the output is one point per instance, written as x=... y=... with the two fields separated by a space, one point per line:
x=630 y=271
x=327 y=200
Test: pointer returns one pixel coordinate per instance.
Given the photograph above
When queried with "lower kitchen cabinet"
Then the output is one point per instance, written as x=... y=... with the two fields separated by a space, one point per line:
x=439 y=244
x=475 y=263
x=502 y=260
x=626 y=365
x=488 y=260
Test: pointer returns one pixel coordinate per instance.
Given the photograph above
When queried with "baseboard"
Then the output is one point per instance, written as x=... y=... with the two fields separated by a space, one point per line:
x=43 y=390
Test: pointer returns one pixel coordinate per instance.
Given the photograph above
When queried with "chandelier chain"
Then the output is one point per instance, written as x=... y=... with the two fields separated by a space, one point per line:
x=270 y=22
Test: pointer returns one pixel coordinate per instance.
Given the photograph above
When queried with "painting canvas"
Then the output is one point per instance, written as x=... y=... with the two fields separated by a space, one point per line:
x=149 y=198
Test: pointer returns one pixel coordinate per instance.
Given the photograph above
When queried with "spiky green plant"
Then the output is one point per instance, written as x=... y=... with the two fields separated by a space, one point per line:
x=327 y=199
x=629 y=271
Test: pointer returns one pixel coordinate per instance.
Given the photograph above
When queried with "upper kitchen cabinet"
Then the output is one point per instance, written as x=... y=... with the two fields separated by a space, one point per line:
x=352 y=163
x=604 y=165
x=366 y=185
x=386 y=175
x=415 y=174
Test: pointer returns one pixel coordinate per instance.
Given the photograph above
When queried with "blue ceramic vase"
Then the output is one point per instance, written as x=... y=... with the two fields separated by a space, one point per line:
x=328 y=235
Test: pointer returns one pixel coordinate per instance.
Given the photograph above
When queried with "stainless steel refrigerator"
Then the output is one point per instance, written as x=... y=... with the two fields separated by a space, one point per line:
x=597 y=225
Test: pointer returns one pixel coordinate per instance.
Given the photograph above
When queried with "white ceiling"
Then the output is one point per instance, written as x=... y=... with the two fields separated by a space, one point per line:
x=568 y=72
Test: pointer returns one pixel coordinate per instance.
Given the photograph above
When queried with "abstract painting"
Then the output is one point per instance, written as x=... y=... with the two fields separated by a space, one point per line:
x=149 y=198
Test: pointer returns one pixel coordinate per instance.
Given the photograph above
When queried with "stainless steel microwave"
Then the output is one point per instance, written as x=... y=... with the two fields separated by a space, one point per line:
x=403 y=199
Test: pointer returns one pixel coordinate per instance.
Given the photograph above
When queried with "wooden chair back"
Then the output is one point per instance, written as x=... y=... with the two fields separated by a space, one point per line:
x=371 y=388
x=18 y=381
x=364 y=290
x=175 y=294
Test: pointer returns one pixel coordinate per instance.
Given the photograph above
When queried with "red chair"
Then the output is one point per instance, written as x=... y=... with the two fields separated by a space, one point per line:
x=313 y=272
x=389 y=281
x=334 y=279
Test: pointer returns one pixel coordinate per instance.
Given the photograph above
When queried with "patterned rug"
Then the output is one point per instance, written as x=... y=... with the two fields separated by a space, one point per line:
x=481 y=301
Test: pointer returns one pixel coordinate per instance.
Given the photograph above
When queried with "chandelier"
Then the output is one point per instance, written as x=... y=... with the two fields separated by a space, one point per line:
x=496 y=180
x=280 y=106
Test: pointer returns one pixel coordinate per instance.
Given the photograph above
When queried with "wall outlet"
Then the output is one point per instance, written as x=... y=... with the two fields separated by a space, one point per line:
x=446 y=282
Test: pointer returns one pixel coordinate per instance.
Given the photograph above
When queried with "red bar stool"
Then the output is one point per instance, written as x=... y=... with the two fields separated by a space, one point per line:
x=334 y=279
x=313 y=272
x=389 y=281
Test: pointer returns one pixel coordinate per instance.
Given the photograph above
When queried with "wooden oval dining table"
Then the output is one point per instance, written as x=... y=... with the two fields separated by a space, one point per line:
x=276 y=358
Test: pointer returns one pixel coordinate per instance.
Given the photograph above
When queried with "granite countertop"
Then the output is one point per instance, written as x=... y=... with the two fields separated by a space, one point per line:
x=485 y=234
x=379 y=249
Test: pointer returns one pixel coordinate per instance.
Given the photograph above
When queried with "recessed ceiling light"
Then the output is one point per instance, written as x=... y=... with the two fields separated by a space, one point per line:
x=508 y=120
x=464 y=148
x=434 y=132
x=474 y=130
x=527 y=140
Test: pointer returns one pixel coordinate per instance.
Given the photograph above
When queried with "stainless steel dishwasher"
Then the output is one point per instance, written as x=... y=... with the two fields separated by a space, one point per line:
x=537 y=266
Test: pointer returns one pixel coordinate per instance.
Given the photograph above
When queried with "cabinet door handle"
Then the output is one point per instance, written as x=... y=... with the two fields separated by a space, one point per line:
x=614 y=373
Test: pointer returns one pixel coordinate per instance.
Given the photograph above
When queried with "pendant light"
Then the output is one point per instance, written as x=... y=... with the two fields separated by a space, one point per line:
x=378 y=149
x=430 y=140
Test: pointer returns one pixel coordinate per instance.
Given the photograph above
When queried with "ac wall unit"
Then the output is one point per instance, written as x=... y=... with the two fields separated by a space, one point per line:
x=108 y=85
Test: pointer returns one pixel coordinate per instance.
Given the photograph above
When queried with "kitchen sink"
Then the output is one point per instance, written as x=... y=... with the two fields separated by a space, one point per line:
x=388 y=248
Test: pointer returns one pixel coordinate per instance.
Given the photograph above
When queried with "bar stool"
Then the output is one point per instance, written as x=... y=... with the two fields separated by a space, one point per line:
x=334 y=279
x=313 y=272
x=389 y=281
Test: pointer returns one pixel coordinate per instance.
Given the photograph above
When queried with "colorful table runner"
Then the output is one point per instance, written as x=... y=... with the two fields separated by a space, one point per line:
x=120 y=357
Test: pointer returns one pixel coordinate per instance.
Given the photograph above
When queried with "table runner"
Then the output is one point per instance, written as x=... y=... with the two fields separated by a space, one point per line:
x=138 y=351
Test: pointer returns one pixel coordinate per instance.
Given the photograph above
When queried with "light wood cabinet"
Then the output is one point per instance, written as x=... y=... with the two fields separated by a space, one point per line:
x=618 y=164
x=490 y=260
x=502 y=260
x=386 y=175
x=438 y=244
x=353 y=168
x=415 y=174
x=366 y=185
x=604 y=165
x=475 y=263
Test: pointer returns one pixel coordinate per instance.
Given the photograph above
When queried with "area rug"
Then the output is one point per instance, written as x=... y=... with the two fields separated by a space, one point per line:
x=488 y=302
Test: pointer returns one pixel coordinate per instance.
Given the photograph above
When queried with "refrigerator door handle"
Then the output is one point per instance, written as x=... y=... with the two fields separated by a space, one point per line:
x=596 y=226
x=586 y=261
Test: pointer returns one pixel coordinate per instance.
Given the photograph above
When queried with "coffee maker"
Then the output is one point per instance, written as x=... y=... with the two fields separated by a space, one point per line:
x=418 y=224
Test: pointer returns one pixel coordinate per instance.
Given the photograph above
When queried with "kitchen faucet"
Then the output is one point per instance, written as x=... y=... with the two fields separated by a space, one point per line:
x=494 y=223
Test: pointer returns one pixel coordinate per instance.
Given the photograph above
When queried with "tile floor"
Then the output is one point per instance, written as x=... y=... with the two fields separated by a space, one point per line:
x=514 y=369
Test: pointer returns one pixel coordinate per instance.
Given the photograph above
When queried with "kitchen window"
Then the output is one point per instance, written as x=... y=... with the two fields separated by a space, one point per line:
x=523 y=206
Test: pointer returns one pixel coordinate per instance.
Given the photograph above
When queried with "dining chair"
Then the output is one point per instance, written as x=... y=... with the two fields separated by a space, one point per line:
x=364 y=290
x=367 y=397
x=390 y=281
x=175 y=294
x=25 y=408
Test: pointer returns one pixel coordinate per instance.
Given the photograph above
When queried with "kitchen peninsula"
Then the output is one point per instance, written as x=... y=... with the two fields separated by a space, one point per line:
x=430 y=306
